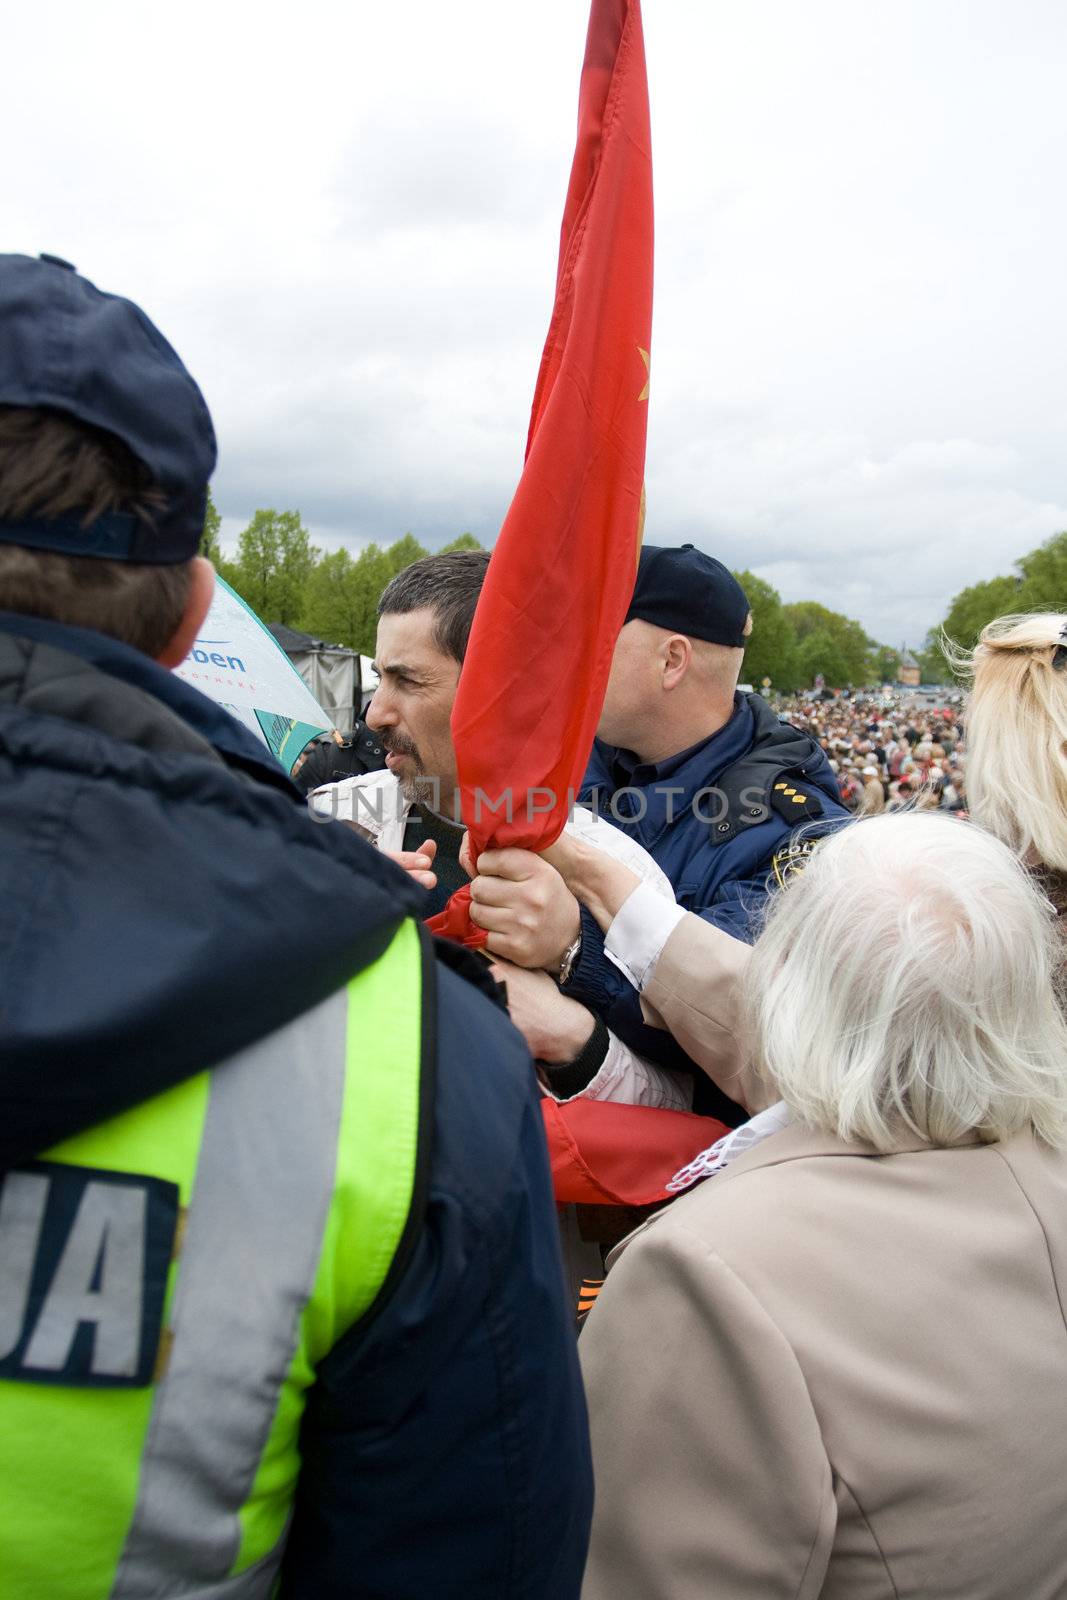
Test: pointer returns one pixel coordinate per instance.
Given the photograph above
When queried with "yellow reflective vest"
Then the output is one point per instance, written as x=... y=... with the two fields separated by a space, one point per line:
x=169 y=1282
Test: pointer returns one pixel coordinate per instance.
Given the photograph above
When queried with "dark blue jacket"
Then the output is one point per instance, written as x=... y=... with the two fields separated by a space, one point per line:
x=165 y=899
x=714 y=817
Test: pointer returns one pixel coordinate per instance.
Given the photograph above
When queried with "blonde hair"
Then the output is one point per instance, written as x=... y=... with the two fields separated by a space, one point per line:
x=1016 y=723
x=903 y=986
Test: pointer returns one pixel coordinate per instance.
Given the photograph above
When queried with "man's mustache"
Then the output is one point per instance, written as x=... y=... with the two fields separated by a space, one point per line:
x=398 y=744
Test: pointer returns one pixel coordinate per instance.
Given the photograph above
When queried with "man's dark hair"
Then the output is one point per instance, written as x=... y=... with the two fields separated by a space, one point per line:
x=449 y=586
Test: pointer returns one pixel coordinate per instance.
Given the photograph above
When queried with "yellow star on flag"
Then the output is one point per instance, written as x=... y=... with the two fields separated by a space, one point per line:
x=645 y=358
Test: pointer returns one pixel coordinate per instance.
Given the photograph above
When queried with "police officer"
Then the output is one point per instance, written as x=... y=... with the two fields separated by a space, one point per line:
x=279 y=1279
x=704 y=777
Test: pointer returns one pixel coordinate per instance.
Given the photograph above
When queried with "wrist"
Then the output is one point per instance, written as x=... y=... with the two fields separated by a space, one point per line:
x=601 y=883
x=569 y=1078
x=560 y=963
x=571 y=1033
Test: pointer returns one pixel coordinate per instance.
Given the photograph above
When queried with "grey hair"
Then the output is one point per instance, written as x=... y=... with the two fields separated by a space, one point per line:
x=904 y=986
x=449 y=585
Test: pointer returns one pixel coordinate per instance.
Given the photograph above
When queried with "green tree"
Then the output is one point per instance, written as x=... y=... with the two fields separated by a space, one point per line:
x=975 y=606
x=275 y=558
x=885 y=664
x=403 y=552
x=211 y=545
x=932 y=663
x=848 y=637
x=772 y=648
x=1039 y=583
x=341 y=597
x=818 y=653
x=1043 y=586
x=466 y=541
x=209 y=539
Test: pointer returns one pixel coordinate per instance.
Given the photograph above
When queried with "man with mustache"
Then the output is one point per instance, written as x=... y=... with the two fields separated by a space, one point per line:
x=412 y=811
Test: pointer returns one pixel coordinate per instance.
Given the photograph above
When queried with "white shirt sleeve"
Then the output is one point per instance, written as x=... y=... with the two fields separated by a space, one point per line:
x=628 y=1079
x=639 y=931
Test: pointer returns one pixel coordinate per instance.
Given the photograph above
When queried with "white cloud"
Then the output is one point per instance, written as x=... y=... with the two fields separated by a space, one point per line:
x=346 y=218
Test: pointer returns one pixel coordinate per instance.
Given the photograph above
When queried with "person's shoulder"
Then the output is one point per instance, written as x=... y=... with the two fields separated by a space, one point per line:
x=747 y=1213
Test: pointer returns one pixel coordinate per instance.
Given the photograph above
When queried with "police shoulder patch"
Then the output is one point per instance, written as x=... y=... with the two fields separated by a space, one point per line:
x=794 y=799
x=792 y=858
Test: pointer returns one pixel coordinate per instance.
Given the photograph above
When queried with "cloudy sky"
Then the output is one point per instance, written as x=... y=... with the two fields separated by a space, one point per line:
x=345 y=216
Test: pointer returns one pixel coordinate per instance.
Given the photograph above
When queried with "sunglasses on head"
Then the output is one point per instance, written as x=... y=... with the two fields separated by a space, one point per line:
x=1059 y=655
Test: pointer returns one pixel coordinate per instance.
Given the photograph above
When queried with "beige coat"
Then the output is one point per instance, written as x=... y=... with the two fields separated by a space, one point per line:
x=831 y=1373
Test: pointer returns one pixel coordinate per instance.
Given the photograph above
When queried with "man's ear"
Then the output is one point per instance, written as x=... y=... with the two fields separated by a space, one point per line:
x=677 y=656
x=201 y=588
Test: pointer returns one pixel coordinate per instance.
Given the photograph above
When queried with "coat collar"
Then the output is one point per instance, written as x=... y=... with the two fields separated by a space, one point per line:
x=800 y=1142
x=797 y=1142
x=203 y=717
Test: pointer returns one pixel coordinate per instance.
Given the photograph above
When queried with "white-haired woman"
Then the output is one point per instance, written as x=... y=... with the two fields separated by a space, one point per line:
x=1017 y=741
x=838 y=1367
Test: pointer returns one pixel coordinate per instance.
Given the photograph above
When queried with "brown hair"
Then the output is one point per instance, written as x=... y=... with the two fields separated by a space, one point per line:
x=52 y=465
x=448 y=584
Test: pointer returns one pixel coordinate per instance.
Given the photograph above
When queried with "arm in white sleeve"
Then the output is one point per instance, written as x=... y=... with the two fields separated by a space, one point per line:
x=628 y=1079
x=638 y=932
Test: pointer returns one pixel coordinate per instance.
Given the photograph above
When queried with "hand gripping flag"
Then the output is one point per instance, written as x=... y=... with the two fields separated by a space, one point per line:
x=562 y=573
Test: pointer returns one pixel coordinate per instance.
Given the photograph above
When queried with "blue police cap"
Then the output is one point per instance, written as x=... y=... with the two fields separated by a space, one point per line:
x=686 y=591
x=71 y=348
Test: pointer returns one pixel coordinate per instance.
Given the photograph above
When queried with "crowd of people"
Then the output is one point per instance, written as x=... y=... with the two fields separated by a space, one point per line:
x=889 y=751
x=287 y=1277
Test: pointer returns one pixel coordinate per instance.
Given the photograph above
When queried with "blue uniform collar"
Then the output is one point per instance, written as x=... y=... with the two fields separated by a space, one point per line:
x=131 y=666
x=669 y=787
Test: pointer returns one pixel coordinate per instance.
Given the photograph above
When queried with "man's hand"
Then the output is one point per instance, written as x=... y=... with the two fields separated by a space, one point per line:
x=417 y=863
x=555 y=1028
x=531 y=916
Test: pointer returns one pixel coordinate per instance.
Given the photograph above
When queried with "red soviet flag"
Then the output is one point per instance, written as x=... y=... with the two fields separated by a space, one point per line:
x=562 y=573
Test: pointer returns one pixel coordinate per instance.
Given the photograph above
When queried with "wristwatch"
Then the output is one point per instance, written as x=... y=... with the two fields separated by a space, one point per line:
x=570 y=956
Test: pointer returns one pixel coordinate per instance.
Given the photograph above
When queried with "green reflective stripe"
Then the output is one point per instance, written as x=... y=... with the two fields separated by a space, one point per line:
x=69 y=1485
x=379 y=1126
x=373 y=1187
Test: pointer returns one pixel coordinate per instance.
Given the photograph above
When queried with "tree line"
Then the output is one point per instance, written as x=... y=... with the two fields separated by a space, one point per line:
x=1037 y=583
x=334 y=596
x=331 y=595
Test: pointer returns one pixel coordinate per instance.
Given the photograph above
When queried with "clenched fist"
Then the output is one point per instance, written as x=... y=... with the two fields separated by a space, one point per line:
x=529 y=913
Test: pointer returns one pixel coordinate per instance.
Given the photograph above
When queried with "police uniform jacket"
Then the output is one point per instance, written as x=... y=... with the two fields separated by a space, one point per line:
x=167 y=902
x=725 y=821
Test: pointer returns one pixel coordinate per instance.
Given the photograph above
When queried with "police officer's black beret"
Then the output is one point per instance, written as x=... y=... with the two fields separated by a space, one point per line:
x=683 y=589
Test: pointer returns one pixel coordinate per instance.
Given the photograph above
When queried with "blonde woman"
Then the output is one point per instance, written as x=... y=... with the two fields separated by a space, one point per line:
x=839 y=1366
x=1017 y=741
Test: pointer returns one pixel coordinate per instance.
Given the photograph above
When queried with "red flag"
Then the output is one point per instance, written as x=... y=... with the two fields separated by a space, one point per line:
x=562 y=573
x=619 y=1155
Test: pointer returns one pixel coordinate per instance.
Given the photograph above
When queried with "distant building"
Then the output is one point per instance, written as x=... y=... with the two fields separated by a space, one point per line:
x=909 y=673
